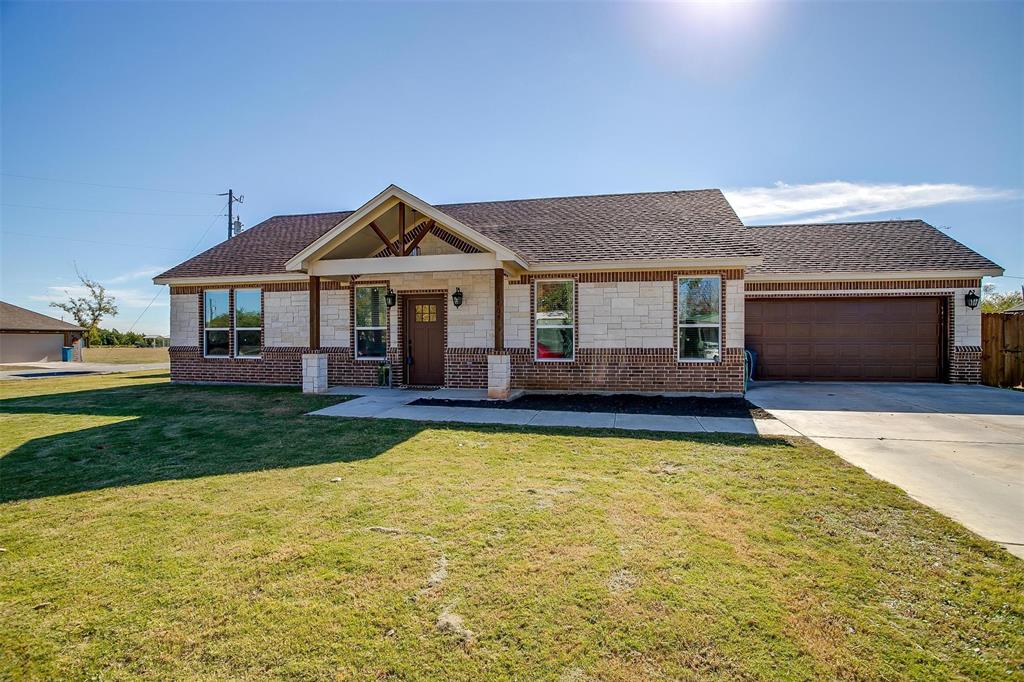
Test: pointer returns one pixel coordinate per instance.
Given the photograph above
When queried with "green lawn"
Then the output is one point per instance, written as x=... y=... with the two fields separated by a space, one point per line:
x=159 y=531
x=124 y=356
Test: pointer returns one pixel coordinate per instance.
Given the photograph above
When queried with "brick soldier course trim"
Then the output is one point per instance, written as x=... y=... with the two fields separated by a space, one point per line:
x=864 y=285
x=590 y=277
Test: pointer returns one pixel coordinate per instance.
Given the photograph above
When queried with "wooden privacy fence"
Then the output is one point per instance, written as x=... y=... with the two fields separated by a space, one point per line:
x=1002 y=349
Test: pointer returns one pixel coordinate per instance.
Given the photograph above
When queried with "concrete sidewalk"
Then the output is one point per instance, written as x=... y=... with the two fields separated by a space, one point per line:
x=958 y=449
x=42 y=370
x=384 y=403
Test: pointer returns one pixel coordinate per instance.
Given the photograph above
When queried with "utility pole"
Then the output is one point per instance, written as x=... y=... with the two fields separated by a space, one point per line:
x=232 y=200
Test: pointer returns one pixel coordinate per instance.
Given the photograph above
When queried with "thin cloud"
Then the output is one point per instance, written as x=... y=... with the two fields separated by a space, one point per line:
x=147 y=272
x=826 y=201
x=125 y=299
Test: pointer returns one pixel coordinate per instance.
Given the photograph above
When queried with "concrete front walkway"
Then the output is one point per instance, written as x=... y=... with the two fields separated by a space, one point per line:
x=42 y=370
x=384 y=403
x=958 y=449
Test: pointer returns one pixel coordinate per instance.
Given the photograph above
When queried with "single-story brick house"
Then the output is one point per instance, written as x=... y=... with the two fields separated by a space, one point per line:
x=640 y=292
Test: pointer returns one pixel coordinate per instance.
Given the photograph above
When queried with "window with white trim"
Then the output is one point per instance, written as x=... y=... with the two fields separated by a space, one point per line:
x=700 y=318
x=216 y=323
x=248 y=323
x=554 y=337
x=371 y=323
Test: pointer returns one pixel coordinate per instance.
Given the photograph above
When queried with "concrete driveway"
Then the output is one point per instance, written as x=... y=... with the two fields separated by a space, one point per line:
x=44 y=370
x=958 y=449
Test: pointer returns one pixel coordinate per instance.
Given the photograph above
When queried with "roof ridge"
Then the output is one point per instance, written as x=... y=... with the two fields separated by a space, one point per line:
x=847 y=222
x=508 y=201
x=581 y=196
x=303 y=215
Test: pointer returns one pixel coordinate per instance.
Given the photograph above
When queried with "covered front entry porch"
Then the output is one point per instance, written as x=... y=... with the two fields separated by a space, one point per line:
x=426 y=301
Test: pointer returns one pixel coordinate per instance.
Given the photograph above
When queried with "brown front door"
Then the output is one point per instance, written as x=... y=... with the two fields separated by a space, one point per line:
x=847 y=339
x=424 y=340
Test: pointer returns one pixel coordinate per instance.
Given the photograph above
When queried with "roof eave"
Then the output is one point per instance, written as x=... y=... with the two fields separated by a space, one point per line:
x=873 y=276
x=230 y=279
x=647 y=264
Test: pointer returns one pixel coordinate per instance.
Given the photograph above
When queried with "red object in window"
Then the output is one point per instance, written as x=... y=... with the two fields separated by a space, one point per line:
x=545 y=352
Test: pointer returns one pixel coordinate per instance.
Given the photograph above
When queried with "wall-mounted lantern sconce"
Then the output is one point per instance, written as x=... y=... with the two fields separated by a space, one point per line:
x=390 y=298
x=971 y=299
x=457 y=297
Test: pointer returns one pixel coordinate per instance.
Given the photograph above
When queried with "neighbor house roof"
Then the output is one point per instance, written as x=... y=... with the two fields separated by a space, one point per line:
x=16 y=319
x=656 y=225
x=878 y=246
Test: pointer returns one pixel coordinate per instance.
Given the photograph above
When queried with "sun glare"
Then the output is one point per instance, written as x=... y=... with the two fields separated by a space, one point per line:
x=706 y=37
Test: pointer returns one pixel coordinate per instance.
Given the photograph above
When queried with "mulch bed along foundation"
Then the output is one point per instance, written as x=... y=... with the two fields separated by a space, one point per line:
x=620 y=403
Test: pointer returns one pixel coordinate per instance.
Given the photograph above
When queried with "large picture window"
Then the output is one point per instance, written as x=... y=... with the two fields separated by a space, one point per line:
x=554 y=338
x=371 y=323
x=700 y=318
x=216 y=323
x=248 y=323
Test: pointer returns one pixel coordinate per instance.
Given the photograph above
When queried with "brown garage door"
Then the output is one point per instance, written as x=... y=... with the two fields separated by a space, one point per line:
x=847 y=339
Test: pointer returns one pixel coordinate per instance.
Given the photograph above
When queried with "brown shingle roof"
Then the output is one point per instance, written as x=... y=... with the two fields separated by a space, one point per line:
x=878 y=246
x=260 y=250
x=17 y=319
x=688 y=224
x=656 y=225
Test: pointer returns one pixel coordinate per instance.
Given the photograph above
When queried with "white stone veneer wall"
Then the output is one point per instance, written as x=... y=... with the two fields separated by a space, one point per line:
x=432 y=246
x=734 y=313
x=625 y=315
x=517 y=315
x=335 y=319
x=469 y=326
x=184 y=319
x=966 y=322
x=286 y=319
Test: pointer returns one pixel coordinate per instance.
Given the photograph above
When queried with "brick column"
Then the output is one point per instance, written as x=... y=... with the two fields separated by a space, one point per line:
x=314 y=373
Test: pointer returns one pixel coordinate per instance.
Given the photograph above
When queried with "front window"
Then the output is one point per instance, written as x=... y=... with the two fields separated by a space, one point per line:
x=248 y=323
x=371 y=323
x=700 y=318
x=553 y=320
x=216 y=323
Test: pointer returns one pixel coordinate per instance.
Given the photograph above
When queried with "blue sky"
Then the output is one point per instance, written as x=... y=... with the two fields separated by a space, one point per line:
x=799 y=111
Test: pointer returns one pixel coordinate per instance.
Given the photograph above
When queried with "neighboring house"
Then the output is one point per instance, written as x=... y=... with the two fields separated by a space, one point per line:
x=639 y=292
x=157 y=341
x=27 y=336
x=1015 y=309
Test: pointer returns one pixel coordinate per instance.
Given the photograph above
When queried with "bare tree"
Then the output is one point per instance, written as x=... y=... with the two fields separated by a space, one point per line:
x=88 y=310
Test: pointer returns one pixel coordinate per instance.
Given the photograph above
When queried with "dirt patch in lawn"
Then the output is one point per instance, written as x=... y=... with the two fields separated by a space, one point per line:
x=618 y=403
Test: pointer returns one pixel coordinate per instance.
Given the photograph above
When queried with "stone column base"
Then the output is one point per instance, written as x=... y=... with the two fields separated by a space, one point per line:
x=314 y=373
x=499 y=377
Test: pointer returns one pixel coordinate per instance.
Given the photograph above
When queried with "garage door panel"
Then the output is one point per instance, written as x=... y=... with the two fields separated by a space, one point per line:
x=16 y=347
x=871 y=339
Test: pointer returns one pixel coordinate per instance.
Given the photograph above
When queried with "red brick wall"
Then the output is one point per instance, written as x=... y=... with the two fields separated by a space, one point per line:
x=965 y=365
x=629 y=369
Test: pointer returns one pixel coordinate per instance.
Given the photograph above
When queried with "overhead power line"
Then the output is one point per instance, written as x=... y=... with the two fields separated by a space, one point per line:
x=99 y=210
x=100 y=184
x=160 y=291
x=93 y=241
